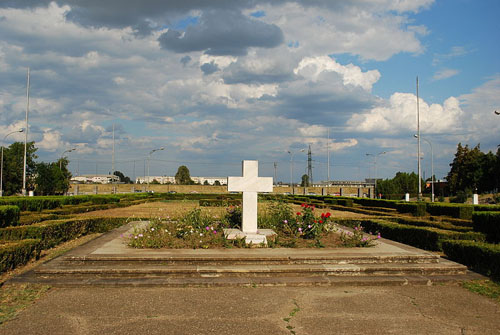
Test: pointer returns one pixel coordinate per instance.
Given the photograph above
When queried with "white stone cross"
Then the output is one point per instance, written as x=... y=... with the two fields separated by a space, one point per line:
x=250 y=184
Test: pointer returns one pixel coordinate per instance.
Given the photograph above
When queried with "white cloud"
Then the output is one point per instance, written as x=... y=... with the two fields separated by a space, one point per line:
x=312 y=67
x=445 y=73
x=400 y=114
x=51 y=140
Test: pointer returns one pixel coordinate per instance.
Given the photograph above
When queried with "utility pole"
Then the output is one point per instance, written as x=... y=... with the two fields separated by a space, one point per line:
x=309 y=166
x=275 y=166
x=328 y=156
x=418 y=150
x=113 y=155
x=26 y=132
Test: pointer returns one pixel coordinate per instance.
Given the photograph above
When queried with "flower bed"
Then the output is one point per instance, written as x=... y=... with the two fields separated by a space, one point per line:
x=299 y=229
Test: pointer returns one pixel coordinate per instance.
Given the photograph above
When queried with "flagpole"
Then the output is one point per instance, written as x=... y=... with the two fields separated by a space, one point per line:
x=27 y=130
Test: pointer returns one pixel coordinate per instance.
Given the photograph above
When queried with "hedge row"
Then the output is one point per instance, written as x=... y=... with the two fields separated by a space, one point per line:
x=9 y=216
x=486 y=208
x=219 y=203
x=13 y=254
x=489 y=224
x=51 y=202
x=420 y=237
x=340 y=201
x=458 y=211
x=54 y=232
x=480 y=257
x=415 y=208
x=428 y=223
x=376 y=202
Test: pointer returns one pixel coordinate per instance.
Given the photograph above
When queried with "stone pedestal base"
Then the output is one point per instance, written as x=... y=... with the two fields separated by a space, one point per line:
x=255 y=238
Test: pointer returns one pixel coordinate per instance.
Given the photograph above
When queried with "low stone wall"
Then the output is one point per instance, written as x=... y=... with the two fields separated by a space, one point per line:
x=129 y=188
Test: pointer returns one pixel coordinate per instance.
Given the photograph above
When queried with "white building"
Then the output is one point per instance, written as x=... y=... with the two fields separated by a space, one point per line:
x=171 y=180
x=99 y=179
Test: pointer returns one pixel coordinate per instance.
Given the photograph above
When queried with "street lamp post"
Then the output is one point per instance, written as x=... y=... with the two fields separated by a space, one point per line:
x=432 y=167
x=149 y=157
x=291 y=167
x=62 y=156
x=1 y=165
x=376 y=156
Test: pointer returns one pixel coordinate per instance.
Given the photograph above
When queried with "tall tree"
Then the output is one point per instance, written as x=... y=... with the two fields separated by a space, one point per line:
x=305 y=181
x=182 y=176
x=123 y=178
x=52 y=178
x=13 y=161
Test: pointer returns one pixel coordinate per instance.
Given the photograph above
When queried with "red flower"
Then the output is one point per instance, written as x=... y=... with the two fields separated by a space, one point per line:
x=320 y=221
x=299 y=214
x=303 y=205
x=322 y=215
x=315 y=221
x=327 y=215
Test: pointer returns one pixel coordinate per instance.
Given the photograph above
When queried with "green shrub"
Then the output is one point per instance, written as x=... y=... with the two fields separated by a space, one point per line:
x=9 y=216
x=54 y=232
x=219 y=202
x=428 y=223
x=460 y=198
x=376 y=202
x=489 y=224
x=415 y=208
x=420 y=237
x=481 y=257
x=13 y=254
x=454 y=210
x=486 y=208
x=339 y=201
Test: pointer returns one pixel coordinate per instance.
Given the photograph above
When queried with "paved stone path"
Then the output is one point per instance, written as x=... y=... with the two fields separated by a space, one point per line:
x=446 y=309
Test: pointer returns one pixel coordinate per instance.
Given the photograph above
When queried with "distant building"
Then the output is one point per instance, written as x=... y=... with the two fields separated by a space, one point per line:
x=171 y=180
x=97 y=179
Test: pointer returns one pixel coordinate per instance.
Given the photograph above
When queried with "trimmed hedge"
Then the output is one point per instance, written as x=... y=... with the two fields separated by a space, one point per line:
x=376 y=202
x=13 y=254
x=427 y=223
x=480 y=257
x=51 y=202
x=458 y=211
x=54 y=232
x=9 y=216
x=420 y=237
x=486 y=208
x=340 y=201
x=219 y=203
x=415 y=208
x=489 y=224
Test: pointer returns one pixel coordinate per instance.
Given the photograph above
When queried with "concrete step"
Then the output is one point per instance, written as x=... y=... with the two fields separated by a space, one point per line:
x=245 y=259
x=277 y=270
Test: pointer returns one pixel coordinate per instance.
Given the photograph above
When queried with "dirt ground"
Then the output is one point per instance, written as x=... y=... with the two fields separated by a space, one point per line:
x=174 y=209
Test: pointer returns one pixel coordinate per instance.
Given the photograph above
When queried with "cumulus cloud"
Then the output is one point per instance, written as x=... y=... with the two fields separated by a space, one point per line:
x=209 y=68
x=400 y=114
x=444 y=74
x=223 y=32
x=312 y=67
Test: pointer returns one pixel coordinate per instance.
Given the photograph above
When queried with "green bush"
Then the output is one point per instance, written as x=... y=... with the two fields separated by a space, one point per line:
x=219 y=202
x=486 y=208
x=489 y=224
x=415 y=208
x=50 y=202
x=420 y=237
x=454 y=210
x=9 y=216
x=339 y=201
x=13 y=254
x=428 y=223
x=54 y=232
x=376 y=202
x=480 y=257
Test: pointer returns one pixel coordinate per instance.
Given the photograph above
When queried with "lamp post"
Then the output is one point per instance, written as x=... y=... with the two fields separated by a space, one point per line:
x=291 y=167
x=432 y=167
x=62 y=156
x=376 y=156
x=149 y=157
x=1 y=165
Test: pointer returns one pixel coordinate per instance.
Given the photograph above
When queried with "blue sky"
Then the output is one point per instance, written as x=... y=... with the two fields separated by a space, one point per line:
x=219 y=82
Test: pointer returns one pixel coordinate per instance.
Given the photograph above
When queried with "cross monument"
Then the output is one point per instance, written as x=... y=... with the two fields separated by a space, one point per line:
x=250 y=183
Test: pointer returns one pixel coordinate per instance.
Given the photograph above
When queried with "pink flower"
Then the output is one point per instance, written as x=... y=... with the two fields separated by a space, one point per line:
x=207 y=228
x=300 y=229
x=309 y=226
x=140 y=235
x=215 y=231
x=285 y=221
